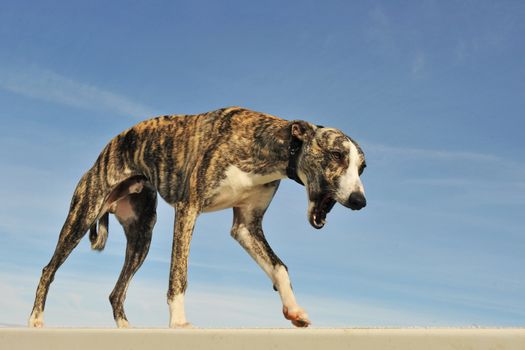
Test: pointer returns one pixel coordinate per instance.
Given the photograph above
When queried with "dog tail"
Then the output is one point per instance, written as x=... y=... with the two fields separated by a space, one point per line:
x=98 y=239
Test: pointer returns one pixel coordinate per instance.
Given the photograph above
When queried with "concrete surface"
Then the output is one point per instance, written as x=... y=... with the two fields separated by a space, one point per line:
x=253 y=339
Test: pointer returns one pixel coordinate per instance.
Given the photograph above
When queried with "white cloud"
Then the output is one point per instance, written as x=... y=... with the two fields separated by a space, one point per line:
x=50 y=86
x=379 y=31
x=482 y=178
x=12 y=303
x=461 y=51
x=378 y=17
x=418 y=65
x=430 y=153
x=75 y=301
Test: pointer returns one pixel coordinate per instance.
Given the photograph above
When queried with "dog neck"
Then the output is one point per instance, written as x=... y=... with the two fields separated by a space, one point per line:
x=294 y=150
x=278 y=151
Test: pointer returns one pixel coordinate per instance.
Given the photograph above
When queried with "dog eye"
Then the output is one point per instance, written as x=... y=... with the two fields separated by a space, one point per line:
x=362 y=168
x=337 y=155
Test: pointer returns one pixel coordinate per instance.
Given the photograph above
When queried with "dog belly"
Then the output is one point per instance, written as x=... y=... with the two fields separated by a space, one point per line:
x=226 y=198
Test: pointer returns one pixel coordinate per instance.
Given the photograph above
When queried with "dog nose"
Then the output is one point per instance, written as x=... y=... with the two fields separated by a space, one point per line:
x=356 y=201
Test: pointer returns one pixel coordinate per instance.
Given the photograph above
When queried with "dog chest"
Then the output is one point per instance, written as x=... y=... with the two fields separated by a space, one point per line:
x=237 y=188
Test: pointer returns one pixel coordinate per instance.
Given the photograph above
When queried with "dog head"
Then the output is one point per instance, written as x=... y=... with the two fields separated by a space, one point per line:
x=329 y=164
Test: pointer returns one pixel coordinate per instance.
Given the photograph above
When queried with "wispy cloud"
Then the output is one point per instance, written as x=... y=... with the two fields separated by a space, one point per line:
x=75 y=301
x=460 y=51
x=462 y=182
x=418 y=65
x=450 y=155
x=378 y=17
x=483 y=178
x=379 y=32
x=43 y=84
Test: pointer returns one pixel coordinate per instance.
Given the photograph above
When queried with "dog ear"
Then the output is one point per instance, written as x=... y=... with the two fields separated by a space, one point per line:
x=302 y=130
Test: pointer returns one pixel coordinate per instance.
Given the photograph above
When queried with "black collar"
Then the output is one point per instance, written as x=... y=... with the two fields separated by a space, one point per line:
x=294 y=151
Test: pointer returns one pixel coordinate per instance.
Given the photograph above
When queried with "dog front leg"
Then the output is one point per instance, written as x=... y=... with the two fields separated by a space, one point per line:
x=247 y=230
x=185 y=217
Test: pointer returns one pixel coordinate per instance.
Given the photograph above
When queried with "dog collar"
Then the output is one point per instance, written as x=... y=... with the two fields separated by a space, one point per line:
x=294 y=151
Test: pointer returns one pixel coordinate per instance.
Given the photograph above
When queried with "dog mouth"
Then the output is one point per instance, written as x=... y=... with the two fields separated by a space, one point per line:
x=320 y=209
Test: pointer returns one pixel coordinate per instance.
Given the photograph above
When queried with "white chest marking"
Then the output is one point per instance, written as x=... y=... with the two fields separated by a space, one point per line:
x=237 y=187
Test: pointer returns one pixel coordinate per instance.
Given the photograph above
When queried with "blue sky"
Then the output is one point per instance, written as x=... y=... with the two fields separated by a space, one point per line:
x=433 y=91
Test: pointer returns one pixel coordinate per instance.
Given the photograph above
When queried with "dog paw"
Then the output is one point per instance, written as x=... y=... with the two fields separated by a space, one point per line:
x=297 y=316
x=35 y=322
x=122 y=323
x=185 y=325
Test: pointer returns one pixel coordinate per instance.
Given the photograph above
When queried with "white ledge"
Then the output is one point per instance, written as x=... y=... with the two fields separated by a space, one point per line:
x=254 y=339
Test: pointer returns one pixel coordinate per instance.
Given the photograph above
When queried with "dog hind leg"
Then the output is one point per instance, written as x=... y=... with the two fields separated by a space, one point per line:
x=83 y=211
x=137 y=214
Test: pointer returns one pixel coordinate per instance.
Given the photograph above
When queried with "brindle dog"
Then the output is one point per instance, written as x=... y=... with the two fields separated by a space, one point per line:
x=229 y=158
